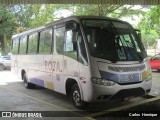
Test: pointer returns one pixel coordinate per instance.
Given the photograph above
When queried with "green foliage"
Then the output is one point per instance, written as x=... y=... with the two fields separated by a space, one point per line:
x=149 y=38
x=31 y=16
x=7 y=26
x=115 y=11
x=150 y=27
x=7 y=22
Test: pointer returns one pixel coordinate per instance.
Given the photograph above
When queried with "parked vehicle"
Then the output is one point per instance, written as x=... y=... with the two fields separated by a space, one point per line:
x=155 y=62
x=89 y=58
x=5 y=62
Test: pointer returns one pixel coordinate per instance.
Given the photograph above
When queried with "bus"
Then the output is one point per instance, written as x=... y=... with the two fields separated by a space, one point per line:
x=89 y=58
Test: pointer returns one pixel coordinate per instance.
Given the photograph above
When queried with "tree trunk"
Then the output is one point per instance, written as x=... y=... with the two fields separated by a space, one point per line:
x=4 y=45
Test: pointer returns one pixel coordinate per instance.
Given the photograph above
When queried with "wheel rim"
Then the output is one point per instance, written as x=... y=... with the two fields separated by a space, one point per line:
x=76 y=96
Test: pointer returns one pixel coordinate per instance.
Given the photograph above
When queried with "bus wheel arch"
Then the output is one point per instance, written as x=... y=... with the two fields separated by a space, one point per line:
x=73 y=90
x=69 y=84
x=22 y=74
x=27 y=84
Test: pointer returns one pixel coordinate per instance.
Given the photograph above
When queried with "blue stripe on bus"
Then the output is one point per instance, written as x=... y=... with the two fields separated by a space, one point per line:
x=121 y=78
x=38 y=82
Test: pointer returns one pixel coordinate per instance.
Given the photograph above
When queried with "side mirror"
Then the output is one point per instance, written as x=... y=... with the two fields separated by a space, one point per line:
x=74 y=36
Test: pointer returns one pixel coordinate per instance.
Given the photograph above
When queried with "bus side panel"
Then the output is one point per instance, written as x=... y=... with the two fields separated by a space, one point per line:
x=33 y=65
x=85 y=82
x=58 y=73
x=46 y=73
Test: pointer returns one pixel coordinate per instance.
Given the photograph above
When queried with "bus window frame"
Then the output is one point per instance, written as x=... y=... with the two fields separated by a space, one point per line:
x=36 y=52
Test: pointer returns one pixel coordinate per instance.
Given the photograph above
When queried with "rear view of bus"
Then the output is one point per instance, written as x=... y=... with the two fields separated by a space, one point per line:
x=118 y=61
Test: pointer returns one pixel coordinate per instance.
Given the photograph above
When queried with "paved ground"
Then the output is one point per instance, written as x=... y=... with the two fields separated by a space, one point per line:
x=14 y=97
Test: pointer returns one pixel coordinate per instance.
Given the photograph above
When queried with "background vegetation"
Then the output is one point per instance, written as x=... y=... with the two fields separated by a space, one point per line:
x=18 y=18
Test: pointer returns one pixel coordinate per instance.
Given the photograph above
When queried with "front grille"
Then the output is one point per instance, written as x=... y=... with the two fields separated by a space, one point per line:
x=127 y=69
x=134 y=92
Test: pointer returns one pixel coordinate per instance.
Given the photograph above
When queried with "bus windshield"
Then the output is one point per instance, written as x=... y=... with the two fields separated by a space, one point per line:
x=113 y=40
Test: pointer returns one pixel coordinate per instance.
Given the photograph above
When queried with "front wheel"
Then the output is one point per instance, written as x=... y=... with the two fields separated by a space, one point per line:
x=76 y=97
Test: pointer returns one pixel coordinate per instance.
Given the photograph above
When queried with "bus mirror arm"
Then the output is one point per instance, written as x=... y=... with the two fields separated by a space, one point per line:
x=139 y=36
x=74 y=36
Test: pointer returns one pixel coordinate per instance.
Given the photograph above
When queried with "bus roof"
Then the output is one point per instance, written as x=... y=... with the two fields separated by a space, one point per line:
x=76 y=18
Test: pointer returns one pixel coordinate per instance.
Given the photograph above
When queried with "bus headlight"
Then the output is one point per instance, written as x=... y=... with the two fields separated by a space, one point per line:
x=101 y=81
x=148 y=78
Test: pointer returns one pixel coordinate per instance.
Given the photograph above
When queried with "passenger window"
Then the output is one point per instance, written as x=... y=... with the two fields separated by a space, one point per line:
x=48 y=41
x=41 y=41
x=45 y=41
x=23 y=45
x=32 y=43
x=60 y=39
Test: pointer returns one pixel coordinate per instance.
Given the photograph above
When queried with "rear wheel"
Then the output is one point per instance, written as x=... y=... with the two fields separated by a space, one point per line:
x=26 y=83
x=1 y=67
x=76 y=97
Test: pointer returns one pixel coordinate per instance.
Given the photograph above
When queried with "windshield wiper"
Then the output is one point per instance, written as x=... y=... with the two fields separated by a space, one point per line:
x=138 y=55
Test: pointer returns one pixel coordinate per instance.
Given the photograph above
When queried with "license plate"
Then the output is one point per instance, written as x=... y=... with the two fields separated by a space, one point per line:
x=129 y=78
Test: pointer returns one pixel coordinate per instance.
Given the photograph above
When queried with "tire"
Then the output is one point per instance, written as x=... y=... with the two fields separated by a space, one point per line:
x=76 y=97
x=1 y=67
x=26 y=83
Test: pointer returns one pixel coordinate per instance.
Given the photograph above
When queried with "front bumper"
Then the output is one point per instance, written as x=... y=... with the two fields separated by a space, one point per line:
x=120 y=91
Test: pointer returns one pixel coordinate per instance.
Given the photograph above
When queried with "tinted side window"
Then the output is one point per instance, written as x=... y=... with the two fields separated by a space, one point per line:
x=23 y=45
x=60 y=39
x=32 y=43
x=41 y=41
x=48 y=41
x=15 y=44
x=45 y=42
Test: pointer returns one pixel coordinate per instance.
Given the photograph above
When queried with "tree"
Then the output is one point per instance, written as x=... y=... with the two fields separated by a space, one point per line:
x=115 y=11
x=31 y=16
x=151 y=19
x=7 y=25
x=149 y=39
x=150 y=26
